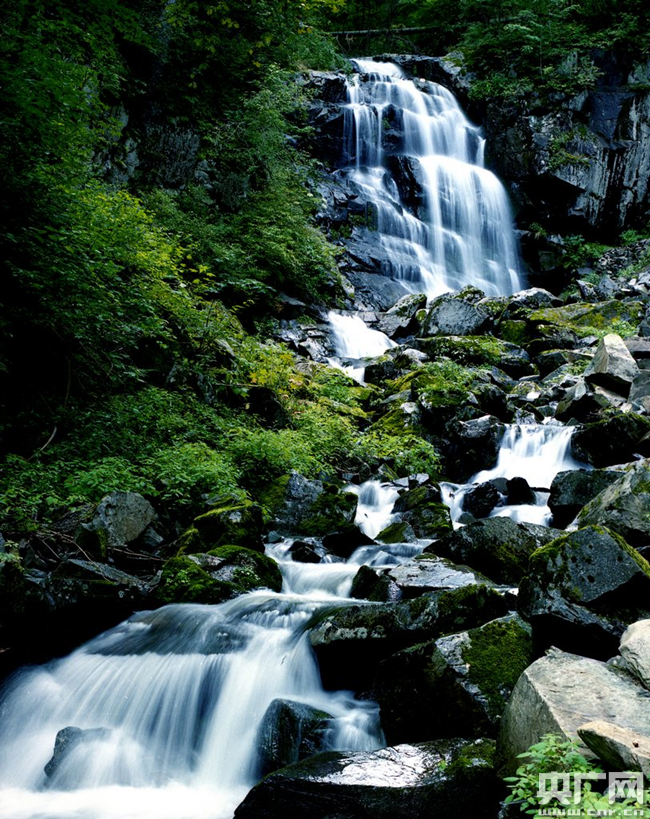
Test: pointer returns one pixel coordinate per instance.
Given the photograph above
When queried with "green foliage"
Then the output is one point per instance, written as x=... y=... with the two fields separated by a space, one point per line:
x=407 y=454
x=578 y=252
x=554 y=754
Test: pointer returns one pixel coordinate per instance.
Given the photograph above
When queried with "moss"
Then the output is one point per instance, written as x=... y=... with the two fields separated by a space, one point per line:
x=239 y=524
x=254 y=570
x=331 y=511
x=465 y=349
x=481 y=753
x=596 y=319
x=514 y=331
x=183 y=581
x=497 y=654
x=396 y=532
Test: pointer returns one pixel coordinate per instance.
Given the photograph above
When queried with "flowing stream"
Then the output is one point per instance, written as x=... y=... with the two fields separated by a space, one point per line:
x=460 y=232
x=535 y=452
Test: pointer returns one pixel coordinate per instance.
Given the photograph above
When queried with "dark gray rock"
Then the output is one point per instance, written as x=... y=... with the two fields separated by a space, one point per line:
x=613 y=366
x=290 y=731
x=519 y=492
x=623 y=506
x=471 y=672
x=583 y=589
x=477 y=444
x=497 y=547
x=69 y=741
x=570 y=491
x=612 y=441
x=443 y=778
x=309 y=507
x=640 y=391
x=120 y=518
x=303 y=552
x=481 y=500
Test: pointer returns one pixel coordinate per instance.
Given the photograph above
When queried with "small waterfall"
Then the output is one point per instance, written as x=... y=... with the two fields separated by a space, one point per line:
x=178 y=696
x=461 y=232
x=536 y=452
x=353 y=341
x=374 y=511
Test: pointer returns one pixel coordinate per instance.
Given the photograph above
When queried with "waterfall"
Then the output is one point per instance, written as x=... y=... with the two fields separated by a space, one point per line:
x=172 y=702
x=461 y=232
x=536 y=452
x=354 y=341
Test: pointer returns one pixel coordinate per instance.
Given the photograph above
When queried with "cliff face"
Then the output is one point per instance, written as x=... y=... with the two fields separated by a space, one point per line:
x=573 y=164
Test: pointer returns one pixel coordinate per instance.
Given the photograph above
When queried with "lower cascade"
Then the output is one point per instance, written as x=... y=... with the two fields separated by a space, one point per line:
x=163 y=713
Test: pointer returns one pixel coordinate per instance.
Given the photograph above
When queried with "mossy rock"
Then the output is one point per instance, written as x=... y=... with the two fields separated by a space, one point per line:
x=472 y=672
x=623 y=506
x=430 y=520
x=584 y=318
x=479 y=350
x=216 y=576
x=397 y=532
x=583 y=589
x=240 y=524
x=514 y=331
x=331 y=511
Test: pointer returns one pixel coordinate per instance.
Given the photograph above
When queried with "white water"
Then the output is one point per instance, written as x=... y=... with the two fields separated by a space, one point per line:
x=353 y=341
x=374 y=511
x=182 y=692
x=536 y=452
x=464 y=236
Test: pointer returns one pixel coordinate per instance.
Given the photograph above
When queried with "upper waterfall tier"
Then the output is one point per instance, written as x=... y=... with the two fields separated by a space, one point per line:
x=444 y=221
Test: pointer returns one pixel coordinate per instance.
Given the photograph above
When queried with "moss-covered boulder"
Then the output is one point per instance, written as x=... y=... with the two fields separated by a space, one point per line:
x=351 y=641
x=290 y=731
x=238 y=523
x=399 y=531
x=472 y=672
x=497 y=547
x=400 y=319
x=446 y=778
x=475 y=446
x=423 y=510
x=583 y=589
x=219 y=575
x=588 y=319
x=450 y=315
x=623 y=505
x=479 y=350
x=309 y=507
x=613 y=441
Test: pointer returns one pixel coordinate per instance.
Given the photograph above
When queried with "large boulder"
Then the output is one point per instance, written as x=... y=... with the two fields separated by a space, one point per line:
x=497 y=547
x=621 y=749
x=119 y=519
x=306 y=507
x=452 y=316
x=290 y=731
x=572 y=490
x=478 y=350
x=400 y=318
x=476 y=446
x=613 y=366
x=219 y=575
x=472 y=673
x=561 y=692
x=612 y=441
x=583 y=589
x=623 y=506
x=444 y=778
x=350 y=641
x=635 y=650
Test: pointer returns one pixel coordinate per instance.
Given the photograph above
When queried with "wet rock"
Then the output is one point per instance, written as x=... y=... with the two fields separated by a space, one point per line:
x=612 y=367
x=635 y=650
x=443 y=778
x=612 y=441
x=519 y=492
x=535 y=298
x=640 y=391
x=345 y=542
x=497 y=547
x=376 y=586
x=400 y=318
x=621 y=749
x=583 y=589
x=452 y=316
x=397 y=532
x=352 y=640
x=481 y=500
x=426 y=574
x=561 y=692
x=477 y=444
x=406 y=171
x=374 y=291
x=303 y=552
x=238 y=523
x=472 y=672
x=624 y=506
x=290 y=731
x=219 y=575
x=328 y=86
x=423 y=510
x=119 y=519
x=572 y=490
x=70 y=741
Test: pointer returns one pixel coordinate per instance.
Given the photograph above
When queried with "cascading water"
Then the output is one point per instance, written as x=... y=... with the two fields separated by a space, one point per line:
x=178 y=696
x=536 y=452
x=461 y=232
x=354 y=341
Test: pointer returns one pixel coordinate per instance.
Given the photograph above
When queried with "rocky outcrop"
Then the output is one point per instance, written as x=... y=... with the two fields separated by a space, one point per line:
x=561 y=692
x=443 y=778
x=237 y=523
x=621 y=749
x=613 y=366
x=497 y=547
x=570 y=491
x=613 y=441
x=583 y=589
x=290 y=731
x=471 y=672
